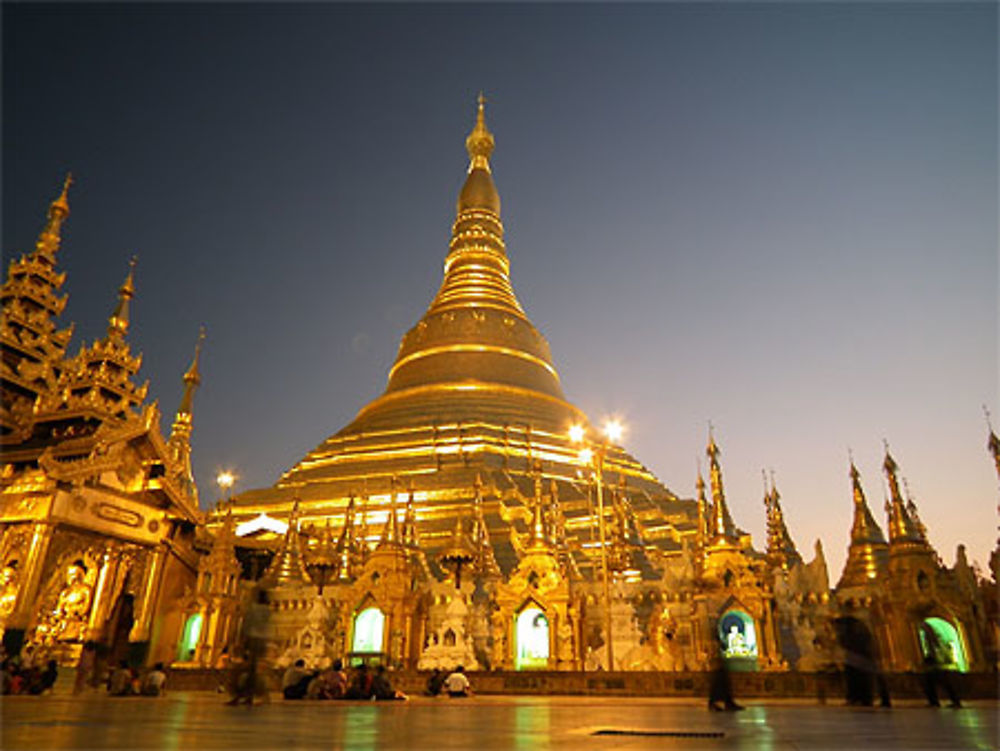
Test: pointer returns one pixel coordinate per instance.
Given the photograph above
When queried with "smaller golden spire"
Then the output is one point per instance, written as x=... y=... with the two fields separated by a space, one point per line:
x=51 y=236
x=288 y=567
x=192 y=378
x=992 y=443
x=901 y=526
x=702 y=509
x=118 y=323
x=722 y=528
x=61 y=204
x=480 y=141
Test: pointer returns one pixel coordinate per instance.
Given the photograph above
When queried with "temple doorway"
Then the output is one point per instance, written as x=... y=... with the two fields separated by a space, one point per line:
x=941 y=641
x=119 y=626
x=189 y=638
x=738 y=637
x=532 y=639
x=369 y=627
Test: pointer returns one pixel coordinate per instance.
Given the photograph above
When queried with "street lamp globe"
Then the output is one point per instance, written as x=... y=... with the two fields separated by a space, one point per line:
x=225 y=480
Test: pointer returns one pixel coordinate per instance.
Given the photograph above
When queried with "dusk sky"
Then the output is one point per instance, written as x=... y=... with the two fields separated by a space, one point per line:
x=781 y=218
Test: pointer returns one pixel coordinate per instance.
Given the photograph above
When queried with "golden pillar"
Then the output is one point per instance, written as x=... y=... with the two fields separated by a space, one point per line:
x=27 y=598
x=102 y=594
x=150 y=594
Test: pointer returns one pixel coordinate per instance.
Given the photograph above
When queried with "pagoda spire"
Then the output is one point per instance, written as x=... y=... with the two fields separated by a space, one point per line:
x=539 y=537
x=180 y=432
x=346 y=545
x=33 y=350
x=98 y=379
x=780 y=546
x=902 y=528
x=486 y=561
x=702 y=533
x=288 y=568
x=867 y=552
x=119 y=320
x=50 y=238
x=411 y=537
x=721 y=527
x=390 y=532
x=992 y=443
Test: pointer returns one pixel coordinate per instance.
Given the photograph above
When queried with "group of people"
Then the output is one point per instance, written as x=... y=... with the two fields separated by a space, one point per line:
x=127 y=681
x=20 y=678
x=332 y=683
x=455 y=684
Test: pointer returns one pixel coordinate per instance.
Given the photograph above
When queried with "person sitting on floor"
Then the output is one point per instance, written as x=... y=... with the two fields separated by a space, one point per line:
x=435 y=683
x=330 y=684
x=457 y=684
x=296 y=680
x=120 y=683
x=382 y=687
x=155 y=682
x=44 y=681
x=361 y=686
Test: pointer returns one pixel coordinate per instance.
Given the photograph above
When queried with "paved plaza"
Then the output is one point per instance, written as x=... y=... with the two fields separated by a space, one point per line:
x=200 y=721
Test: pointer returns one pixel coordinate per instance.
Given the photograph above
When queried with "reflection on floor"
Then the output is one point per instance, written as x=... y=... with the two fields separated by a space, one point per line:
x=199 y=721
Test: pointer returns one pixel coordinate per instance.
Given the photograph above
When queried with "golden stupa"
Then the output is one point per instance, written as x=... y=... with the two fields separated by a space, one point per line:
x=474 y=400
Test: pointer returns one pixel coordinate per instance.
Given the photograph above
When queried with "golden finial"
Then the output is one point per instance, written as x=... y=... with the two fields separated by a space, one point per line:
x=480 y=141
x=118 y=323
x=50 y=236
x=993 y=443
x=192 y=378
x=192 y=374
x=62 y=202
x=712 y=450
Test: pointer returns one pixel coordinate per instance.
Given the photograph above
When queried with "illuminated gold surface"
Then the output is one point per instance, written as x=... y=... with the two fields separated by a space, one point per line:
x=473 y=396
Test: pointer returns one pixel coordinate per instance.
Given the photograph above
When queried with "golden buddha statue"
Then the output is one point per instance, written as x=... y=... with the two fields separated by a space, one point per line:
x=68 y=619
x=8 y=590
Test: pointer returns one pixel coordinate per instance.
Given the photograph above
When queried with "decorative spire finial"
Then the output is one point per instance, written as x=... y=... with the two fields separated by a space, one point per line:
x=192 y=378
x=118 y=323
x=993 y=443
x=480 y=142
x=50 y=237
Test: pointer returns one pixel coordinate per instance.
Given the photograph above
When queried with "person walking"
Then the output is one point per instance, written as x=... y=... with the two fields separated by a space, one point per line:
x=936 y=670
x=256 y=630
x=720 y=688
x=84 y=666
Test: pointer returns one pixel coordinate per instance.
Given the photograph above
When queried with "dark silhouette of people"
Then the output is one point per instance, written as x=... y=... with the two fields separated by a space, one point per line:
x=361 y=684
x=45 y=680
x=296 y=680
x=435 y=683
x=859 y=662
x=720 y=687
x=936 y=673
x=256 y=629
x=382 y=688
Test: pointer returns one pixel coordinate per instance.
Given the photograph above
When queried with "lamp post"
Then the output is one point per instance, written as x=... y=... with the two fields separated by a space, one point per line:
x=594 y=458
x=225 y=482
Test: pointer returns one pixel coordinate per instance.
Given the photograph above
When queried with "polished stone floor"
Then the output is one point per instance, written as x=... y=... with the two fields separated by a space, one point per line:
x=200 y=721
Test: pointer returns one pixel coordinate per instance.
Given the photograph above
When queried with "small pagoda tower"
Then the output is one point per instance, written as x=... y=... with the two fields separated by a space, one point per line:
x=33 y=349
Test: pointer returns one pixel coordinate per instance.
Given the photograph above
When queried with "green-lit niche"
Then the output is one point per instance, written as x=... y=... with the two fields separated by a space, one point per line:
x=532 y=630
x=189 y=638
x=738 y=636
x=941 y=642
x=369 y=626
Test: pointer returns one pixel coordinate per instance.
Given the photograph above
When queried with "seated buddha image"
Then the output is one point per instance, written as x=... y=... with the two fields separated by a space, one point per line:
x=68 y=619
x=8 y=590
x=736 y=643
